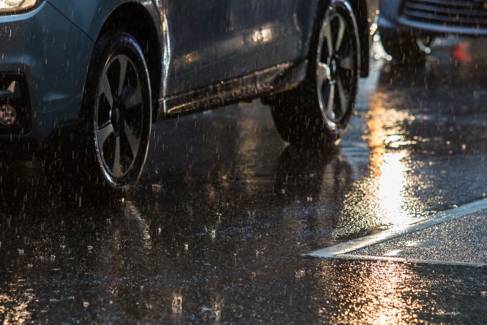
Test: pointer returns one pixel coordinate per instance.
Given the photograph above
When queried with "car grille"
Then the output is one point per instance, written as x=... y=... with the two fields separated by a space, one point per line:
x=450 y=13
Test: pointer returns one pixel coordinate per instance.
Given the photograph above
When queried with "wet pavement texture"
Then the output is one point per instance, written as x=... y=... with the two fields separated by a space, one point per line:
x=225 y=212
x=457 y=241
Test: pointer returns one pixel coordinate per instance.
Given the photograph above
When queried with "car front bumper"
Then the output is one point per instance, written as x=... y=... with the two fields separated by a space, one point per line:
x=391 y=20
x=48 y=57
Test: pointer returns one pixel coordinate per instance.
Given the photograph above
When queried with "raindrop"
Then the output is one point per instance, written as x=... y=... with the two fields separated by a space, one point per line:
x=300 y=274
x=156 y=188
x=253 y=275
x=411 y=244
x=186 y=247
x=218 y=311
x=394 y=252
x=177 y=304
x=21 y=252
x=90 y=248
x=86 y=304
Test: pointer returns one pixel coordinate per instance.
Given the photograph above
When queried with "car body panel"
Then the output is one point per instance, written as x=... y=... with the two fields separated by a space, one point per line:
x=53 y=59
x=392 y=20
x=225 y=34
x=389 y=8
x=235 y=40
x=272 y=36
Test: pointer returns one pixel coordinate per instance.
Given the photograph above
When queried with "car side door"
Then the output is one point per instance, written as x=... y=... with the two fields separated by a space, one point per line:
x=272 y=31
x=199 y=38
x=219 y=40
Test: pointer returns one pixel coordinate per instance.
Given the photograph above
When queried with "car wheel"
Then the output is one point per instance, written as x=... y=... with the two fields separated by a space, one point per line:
x=405 y=48
x=118 y=112
x=319 y=111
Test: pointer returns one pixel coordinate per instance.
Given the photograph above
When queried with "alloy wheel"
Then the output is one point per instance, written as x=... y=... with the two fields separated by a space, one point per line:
x=337 y=68
x=119 y=118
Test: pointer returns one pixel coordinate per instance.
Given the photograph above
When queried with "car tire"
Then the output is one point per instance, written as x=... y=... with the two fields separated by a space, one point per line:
x=404 y=48
x=117 y=114
x=319 y=110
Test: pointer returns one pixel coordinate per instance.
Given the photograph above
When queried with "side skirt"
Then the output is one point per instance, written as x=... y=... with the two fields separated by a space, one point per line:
x=277 y=79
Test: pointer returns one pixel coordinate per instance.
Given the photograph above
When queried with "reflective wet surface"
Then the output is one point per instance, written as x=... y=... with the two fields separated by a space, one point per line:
x=217 y=230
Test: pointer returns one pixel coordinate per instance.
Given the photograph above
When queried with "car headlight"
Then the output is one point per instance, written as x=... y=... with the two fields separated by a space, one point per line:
x=12 y=6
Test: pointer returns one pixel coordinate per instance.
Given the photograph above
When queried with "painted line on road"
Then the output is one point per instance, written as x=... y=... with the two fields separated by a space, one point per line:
x=439 y=218
x=372 y=258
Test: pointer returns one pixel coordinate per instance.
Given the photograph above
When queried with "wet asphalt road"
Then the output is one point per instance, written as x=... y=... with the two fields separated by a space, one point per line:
x=219 y=226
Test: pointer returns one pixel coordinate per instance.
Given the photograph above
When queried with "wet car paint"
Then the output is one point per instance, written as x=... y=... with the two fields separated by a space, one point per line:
x=461 y=18
x=200 y=41
x=217 y=229
x=190 y=46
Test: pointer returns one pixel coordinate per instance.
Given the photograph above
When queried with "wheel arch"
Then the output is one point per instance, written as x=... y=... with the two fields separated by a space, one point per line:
x=94 y=17
x=361 y=11
x=138 y=20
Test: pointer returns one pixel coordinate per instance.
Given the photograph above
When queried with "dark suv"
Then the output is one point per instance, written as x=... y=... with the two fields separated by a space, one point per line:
x=408 y=26
x=106 y=70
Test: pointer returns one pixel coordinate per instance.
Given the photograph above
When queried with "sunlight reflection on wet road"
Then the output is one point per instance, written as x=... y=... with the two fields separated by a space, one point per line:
x=216 y=231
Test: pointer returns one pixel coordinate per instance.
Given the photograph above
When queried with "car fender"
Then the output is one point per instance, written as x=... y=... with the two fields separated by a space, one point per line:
x=91 y=15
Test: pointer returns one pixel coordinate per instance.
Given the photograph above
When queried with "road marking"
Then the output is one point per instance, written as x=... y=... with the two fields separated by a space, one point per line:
x=372 y=258
x=441 y=217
